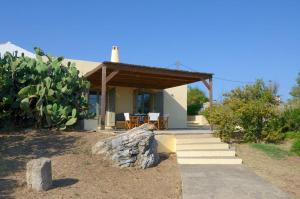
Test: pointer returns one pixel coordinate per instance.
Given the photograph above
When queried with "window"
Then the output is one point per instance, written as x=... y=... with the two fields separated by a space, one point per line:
x=94 y=102
x=144 y=102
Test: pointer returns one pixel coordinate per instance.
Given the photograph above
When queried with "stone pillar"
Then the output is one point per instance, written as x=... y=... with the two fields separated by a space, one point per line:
x=39 y=174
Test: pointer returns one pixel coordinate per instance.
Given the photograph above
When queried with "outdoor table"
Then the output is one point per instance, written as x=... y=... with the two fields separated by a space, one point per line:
x=141 y=117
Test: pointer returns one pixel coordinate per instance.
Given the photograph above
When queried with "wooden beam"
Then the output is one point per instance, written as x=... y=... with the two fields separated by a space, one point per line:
x=210 y=98
x=138 y=82
x=141 y=77
x=94 y=70
x=206 y=84
x=143 y=85
x=111 y=75
x=103 y=98
x=155 y=70
x=154 y=76
x=148 y=81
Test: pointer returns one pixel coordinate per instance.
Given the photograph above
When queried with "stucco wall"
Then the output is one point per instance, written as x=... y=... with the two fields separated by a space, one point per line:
x=175 y=103
x=124 y=100
x=166 y=143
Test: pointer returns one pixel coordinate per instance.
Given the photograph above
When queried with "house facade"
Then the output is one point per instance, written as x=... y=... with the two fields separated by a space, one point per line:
x=118 y=88
x=137 y=89
x=120 y=100
x=134 y=99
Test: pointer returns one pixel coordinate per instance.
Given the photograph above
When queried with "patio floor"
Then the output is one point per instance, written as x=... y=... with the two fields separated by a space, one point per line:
x=187 y=131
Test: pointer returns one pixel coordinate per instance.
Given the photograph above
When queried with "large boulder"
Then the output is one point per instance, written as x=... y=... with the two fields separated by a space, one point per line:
x=39 y=174
x=137 y=147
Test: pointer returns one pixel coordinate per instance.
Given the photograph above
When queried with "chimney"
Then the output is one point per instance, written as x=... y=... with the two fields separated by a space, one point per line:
x=115 y=54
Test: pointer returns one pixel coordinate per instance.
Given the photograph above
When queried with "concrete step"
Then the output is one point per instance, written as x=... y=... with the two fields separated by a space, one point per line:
x=194 y=126
x=214 y=145
x=205 y=153
x=191 y=122
x=197 y=140
x=209 y=160
x=194 y=135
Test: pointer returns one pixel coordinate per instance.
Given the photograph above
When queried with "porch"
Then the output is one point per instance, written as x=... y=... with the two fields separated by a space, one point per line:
x=118 y=88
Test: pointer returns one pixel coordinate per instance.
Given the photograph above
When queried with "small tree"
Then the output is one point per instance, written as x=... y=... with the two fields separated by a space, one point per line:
x=195 y=100
x=248 y=113
x=291 y=115
x=295 y=93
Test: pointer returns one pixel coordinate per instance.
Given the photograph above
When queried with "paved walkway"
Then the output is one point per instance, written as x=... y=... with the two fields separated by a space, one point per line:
x=225 y=182
x=184 y=131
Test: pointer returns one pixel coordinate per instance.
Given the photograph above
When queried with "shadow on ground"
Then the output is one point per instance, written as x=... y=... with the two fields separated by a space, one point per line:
x=163 y=157
x=18 y=148
x=7 y=187
x=65 y=182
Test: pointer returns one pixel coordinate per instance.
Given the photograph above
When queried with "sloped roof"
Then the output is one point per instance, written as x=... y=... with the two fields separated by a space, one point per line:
x=12 y=48
x=83 y=66
x=140 y=76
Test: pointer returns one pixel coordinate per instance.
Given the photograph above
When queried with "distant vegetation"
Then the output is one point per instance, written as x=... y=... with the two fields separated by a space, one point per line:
x=253 y=113
x=41 y=92
x=195 y=100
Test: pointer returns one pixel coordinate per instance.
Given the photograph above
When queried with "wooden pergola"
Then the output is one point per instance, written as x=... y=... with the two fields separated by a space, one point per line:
x=139 y=76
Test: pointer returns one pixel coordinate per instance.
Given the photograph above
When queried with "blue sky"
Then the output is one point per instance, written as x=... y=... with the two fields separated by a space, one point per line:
x=235 y=40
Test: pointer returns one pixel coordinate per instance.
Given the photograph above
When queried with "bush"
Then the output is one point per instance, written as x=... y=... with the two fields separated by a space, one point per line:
x=225 y=120
x=248 y=114
x=193 y=109
x=42 y=92
x=291 y=119
x=195 y=100
x=296 y=147
x=292 y=135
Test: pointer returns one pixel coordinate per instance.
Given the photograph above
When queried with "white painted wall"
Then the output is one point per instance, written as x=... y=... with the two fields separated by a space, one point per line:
x=124 y=100
x=175 y=103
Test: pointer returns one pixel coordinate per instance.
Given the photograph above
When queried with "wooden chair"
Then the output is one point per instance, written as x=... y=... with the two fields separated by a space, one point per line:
x=153 y=118
x=146 y=119
x=131 y=121
x=164 y=121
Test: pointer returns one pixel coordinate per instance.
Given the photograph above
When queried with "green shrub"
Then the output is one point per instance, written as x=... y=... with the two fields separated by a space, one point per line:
x=292 y=135
x=195 y=100
x=248 y=114
x=224 y=119
x=296 y=147
x=291 y=118
x=193 y=109
x=43 y=92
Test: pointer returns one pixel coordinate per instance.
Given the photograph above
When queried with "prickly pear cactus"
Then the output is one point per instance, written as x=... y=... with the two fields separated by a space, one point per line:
x=44 y=91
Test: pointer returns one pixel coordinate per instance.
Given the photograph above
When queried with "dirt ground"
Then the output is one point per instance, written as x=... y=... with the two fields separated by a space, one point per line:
x=284 y=173
x=77 y=173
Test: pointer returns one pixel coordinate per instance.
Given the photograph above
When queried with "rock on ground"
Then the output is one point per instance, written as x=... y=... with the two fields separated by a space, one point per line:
x=137 y=147
x=39 y=174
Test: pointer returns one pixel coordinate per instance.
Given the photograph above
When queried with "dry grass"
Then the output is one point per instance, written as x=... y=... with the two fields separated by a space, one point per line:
x=283 y=171
x=77 y=173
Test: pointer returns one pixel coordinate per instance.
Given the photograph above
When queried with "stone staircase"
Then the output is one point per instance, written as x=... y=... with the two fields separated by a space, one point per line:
x=204 y=149
x=193 y=125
